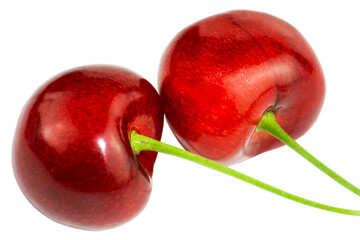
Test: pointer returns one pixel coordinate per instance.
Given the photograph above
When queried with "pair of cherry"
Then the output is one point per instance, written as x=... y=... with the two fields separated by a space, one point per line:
x=86 y=141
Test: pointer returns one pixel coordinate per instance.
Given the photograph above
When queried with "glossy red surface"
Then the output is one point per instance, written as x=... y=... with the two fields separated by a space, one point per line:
x=220 y=75
x=71 y=152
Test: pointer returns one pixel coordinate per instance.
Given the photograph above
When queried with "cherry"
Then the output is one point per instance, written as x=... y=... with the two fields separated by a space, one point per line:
x=71 y=155
x=220 y=75
x=236 y=83
x=86 y=141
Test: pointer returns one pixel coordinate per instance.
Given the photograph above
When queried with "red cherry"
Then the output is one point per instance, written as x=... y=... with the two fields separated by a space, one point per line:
x=220 y=75
x=71 y=154
x=83 y=149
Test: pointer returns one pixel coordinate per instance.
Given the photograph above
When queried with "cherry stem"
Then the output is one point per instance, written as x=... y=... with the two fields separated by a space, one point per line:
x=269 y=125
x=142 y=143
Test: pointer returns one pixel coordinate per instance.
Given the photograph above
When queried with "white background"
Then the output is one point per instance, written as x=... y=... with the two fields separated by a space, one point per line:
x=39 y=39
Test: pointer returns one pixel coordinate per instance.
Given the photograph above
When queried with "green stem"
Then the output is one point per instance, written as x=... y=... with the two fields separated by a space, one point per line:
x=142 y=143
x=269 y=125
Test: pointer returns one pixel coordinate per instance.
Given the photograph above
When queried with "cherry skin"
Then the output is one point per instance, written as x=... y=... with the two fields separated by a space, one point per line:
x=220 y=75
x=71 y=153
